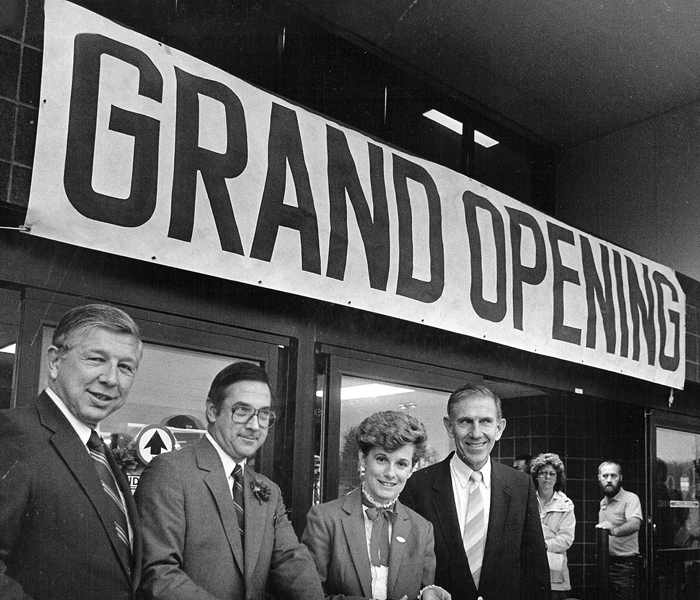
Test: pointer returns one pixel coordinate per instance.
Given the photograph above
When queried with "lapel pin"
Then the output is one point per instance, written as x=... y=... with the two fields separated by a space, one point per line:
x=400 y=539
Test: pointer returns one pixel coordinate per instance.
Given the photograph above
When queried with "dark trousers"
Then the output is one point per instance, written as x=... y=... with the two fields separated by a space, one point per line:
x=621 y=576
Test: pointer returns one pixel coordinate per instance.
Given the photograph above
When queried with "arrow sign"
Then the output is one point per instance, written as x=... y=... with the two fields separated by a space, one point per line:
x=156 y=444
x=154 y=440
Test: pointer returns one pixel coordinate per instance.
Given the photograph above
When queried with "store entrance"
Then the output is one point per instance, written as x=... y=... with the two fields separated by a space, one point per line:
x=674 y=532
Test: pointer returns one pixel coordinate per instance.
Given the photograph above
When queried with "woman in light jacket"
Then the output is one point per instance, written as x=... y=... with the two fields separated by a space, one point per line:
x=367 y=545
x=558 y=519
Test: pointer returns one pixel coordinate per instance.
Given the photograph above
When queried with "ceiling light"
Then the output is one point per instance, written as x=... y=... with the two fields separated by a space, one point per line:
x=11 y=349
x=484 y=140
x=368 y=390
x=444 y=120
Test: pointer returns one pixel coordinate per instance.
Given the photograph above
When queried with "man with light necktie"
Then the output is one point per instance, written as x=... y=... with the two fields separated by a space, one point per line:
x=488 y=537
x=68 y=524
x=212 y=527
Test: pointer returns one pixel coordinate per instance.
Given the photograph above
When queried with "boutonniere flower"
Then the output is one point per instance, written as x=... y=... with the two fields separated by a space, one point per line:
x=127 y=457
x=260 y=490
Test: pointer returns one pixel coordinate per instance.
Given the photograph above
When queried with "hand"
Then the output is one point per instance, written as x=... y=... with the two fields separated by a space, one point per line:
x=436 y=593
x=605 y=525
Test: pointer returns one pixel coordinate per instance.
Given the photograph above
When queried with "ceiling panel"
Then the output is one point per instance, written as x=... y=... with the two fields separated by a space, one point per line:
x=566 y=71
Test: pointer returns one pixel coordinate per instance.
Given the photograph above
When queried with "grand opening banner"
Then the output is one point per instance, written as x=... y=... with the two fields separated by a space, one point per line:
x=146 y=152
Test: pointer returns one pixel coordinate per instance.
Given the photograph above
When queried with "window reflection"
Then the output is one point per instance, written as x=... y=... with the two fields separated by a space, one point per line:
x=170 y=390
x=359 y=398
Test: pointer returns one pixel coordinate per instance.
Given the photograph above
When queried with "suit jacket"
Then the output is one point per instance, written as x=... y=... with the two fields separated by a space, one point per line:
x=335 y=535
x=54 y=541
x=192 y=545
x=515 y=560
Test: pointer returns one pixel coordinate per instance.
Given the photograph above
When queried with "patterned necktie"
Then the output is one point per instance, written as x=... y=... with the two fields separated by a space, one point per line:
x=238 y=498
x=474 y=527
x=109 y=485
x=379 y=538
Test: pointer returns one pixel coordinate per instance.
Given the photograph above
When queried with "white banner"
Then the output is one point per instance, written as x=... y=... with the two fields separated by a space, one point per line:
x=146 y=152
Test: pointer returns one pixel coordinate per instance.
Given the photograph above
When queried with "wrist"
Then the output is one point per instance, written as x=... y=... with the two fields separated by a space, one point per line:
x=613 y=531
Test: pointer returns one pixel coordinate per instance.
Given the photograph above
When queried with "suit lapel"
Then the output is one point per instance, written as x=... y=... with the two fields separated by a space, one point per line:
x=76 y=457
x=400 y=531
x=446 y=510
x=255 y=523
x=216 y=480
x=356 y=537
x=498 y=516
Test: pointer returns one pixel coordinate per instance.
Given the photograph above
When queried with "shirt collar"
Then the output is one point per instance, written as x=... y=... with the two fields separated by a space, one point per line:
x=228 y=463
x=616 y=498
x=464 y=472
x=80 y=428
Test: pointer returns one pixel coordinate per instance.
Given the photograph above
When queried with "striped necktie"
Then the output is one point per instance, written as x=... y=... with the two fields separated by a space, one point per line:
x=238 y=498
x=109 y=485
x=474 y=527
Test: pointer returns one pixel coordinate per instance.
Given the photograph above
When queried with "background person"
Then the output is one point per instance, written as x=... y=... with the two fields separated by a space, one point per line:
x=522 y=463
x=557 y=517
x=621 y=514
x=367 y=544
x=497 y=549
x=68 y=524
x=213 y=528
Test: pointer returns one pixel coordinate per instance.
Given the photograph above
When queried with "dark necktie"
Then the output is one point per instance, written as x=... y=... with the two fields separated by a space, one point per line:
x=238 y=498
x=109 y=484
x=379 y=538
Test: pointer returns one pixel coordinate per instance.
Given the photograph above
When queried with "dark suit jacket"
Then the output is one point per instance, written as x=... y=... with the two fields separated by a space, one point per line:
x=192 y=545
x=335 y=535
x=54 y=542
x=515 y=560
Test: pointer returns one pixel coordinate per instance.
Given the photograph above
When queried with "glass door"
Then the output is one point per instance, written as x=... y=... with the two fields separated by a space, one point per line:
x=674 y=538
x=350 y=387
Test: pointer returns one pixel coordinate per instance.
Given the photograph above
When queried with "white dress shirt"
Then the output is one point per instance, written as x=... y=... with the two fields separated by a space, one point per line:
x=228 y=463
x=84 y=432
x=461 y=483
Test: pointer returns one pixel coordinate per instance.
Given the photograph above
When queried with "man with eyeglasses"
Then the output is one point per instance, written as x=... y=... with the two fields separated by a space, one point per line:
x=212 y=527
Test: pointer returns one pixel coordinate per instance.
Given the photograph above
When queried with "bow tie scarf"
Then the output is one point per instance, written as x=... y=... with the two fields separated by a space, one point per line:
x=379 y=538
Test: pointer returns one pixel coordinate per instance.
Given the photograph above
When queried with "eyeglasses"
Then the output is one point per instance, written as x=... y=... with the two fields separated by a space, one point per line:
x=546 y=474
x=243 y=413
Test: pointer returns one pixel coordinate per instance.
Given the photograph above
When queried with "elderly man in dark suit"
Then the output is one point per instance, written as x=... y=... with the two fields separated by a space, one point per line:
x=68 y=524
x=488 y=538
x=213 y=528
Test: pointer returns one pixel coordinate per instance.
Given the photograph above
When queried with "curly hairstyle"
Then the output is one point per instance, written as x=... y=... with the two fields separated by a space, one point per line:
x=553 y=460
x=391 y=430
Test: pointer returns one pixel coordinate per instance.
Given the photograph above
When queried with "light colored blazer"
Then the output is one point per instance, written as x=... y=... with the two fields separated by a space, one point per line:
x=335 y=535
x=192 y=545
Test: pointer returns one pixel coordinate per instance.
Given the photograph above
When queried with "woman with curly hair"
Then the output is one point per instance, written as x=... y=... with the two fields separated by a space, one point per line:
x=558 y=519
x=367 y=544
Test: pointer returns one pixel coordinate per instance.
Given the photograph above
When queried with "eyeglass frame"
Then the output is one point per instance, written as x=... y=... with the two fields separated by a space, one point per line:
x=272 y=417
x=547 y=474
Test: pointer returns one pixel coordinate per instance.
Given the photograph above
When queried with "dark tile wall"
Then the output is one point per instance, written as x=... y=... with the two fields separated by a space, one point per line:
x=583 y=431
x=21 y=39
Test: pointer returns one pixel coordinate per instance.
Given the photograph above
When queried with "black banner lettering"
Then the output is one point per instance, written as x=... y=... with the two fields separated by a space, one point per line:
x=285 y=148
x=561 y=275
x=533 y=275
x=214 y=167
x=642 y=311
x=407 y=285
x=138 y=208
x=669 y=363
x=598 y=295
x=342 y=179
x=622 y=301
x=492 y=311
